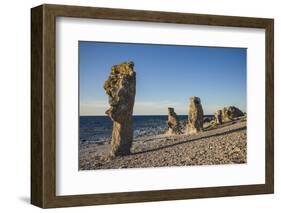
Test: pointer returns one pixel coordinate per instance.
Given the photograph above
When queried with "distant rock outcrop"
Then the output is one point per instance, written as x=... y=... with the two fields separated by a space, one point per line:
x=195 y=116
x=230 y=113
x=121 y=89
x=218 y=117
x=173 y=123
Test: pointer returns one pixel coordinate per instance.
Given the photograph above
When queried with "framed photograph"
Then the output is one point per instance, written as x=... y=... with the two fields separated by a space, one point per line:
x=136 y=106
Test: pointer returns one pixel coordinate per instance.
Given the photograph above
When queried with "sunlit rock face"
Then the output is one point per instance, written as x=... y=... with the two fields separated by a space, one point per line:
x=173 y=123
x=218 y=117
x=121 y=89
x=195 y=116
x=230 y=113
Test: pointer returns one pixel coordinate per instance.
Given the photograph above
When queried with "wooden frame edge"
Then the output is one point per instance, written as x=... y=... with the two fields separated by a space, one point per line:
x=153 y=196
x=36 y=106
x=43 y=174
x=269 y=119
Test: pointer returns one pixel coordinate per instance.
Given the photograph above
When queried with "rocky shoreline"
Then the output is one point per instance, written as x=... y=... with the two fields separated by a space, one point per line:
x=217 y=144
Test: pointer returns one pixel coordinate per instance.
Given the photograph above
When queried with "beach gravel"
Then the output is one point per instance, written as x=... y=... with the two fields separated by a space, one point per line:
x=224 y=144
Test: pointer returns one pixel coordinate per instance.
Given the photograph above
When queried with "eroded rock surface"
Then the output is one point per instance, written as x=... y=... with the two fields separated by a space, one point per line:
x=195 y=116
x=173 y=123
x=230 y=113
x=218 y=117
x=121 y=89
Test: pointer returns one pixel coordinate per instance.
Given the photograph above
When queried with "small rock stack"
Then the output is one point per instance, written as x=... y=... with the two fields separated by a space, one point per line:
x=218 y=117
x=228 y=114
x=173 y=123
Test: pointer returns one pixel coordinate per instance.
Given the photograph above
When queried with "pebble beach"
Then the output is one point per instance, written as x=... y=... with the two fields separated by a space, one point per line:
x=219 y=144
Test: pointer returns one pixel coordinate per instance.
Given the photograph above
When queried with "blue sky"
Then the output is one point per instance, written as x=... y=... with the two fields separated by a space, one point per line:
x=167 y=75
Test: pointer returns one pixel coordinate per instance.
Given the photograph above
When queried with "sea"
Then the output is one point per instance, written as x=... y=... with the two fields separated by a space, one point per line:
x=98 y=128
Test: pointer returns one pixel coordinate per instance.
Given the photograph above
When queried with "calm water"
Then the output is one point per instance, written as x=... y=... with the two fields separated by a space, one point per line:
x=98 y=128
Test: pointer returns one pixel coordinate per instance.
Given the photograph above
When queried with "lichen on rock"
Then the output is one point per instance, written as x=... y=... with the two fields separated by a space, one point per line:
x=173 y=123
x=195 y=116
x=121 y=89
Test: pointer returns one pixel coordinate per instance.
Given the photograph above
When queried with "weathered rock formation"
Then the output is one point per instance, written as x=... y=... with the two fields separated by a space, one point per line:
x=121 y=89
x=173 y=123
x=195 y=116
x=218 y=117
x=230 y=113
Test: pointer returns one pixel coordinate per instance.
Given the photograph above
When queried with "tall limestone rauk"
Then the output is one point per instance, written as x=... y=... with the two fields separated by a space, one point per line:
x=121 y=89
x=195 y=116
